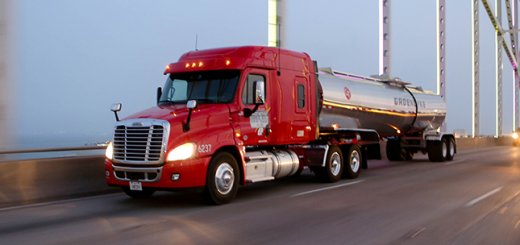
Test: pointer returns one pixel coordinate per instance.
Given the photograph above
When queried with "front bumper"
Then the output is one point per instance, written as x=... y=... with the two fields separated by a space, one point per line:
x=191 y=174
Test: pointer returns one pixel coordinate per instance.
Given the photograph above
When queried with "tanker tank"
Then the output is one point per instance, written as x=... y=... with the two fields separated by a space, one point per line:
x=392 y=108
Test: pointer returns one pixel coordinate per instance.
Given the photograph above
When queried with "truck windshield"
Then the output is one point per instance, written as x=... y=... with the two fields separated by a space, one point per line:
x=205 y=87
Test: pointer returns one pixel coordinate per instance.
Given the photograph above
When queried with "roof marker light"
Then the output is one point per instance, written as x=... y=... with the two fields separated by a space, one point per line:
x=187 y=65
x=201 y=64
x=228 y=62
x=193 y=65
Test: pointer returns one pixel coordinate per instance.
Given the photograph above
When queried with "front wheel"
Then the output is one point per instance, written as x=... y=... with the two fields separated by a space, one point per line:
x=222 y=179
x=353 y=163
x=333 y=166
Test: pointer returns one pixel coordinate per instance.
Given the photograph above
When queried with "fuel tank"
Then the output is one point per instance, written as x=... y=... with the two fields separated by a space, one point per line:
x=390 y=107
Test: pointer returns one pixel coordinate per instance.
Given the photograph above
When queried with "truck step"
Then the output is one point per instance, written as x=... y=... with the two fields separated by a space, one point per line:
x=255 y=179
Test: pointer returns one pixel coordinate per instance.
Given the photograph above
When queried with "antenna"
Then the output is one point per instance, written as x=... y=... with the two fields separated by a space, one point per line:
x=196 y=41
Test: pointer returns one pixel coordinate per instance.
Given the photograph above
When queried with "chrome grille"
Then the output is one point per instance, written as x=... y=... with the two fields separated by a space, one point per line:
x=139 y=143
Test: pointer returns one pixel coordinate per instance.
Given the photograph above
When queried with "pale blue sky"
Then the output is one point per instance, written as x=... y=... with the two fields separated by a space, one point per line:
x=73 y=59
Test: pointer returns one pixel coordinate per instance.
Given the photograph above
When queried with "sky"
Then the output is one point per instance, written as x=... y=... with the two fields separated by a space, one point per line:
x=74 y=59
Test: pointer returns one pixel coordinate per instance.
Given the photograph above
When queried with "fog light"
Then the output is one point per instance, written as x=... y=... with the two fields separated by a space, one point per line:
x=107 y=173
x=176 y=177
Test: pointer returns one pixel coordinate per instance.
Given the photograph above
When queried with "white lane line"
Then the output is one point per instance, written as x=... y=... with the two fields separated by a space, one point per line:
x=326 y=188
x=415 y=234
x=455 y=162
x=480 y=198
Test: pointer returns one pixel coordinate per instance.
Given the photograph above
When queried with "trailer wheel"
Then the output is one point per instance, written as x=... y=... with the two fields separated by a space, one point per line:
x=353 y=162
x=451 y=149
x=222 y=179
x=145 y=193
x=393 y=150
x=333 y=169
x=438 y=150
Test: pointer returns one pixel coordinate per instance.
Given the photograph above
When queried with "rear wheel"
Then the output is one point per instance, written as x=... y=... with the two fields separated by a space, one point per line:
x=222 y=179
x=451 y=149
x=438 y=150
x=145 y=193
x=333 y=166
x=353 y=162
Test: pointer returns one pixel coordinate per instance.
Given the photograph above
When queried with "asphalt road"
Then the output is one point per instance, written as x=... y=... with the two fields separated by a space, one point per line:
x=473 y=200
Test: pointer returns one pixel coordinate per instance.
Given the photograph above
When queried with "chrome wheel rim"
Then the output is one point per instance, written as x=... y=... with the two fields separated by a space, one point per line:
x=224 y=178
x=444 y=149
x=335 y=164
x=354 y=161
x=452 y=148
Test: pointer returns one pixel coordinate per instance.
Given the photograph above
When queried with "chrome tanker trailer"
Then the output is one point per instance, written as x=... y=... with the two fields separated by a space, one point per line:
x=408 y=118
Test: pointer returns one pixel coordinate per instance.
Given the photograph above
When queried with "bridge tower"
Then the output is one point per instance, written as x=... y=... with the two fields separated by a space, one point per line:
x=5 y=14
x=276 y=25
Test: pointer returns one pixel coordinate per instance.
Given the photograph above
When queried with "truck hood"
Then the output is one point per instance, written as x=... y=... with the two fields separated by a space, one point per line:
x=205 y=119
x=163 y=112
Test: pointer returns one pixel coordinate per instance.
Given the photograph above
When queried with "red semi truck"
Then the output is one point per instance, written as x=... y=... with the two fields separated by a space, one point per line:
x=232 y=116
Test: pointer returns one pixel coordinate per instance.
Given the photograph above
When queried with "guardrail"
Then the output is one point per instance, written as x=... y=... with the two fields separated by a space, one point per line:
x=55 y=149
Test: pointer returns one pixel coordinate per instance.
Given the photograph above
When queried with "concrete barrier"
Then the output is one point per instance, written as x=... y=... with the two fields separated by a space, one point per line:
x=469 y=143
x=30 y=181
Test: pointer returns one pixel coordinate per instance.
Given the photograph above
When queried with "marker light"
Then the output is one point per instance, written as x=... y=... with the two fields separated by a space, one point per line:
x=201 y=64
x=181 y=152
x=109 y=153
x=193 y=64
x=515 y=136
x=228 y=62
x=187 y=65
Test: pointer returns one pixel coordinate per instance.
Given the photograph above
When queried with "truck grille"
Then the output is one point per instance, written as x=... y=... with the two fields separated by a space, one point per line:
x=139 y=143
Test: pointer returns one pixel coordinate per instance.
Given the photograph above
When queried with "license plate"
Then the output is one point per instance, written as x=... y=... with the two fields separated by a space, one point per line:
x=136 y=186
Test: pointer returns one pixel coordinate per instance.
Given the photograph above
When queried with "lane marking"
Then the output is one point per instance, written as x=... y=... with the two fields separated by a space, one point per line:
x=41 y=204
x=326 y=188
x=418 y=232
x=455 y=162
x=480 y=198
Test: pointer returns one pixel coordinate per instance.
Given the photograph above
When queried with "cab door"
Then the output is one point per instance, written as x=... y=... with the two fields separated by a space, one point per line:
x=254 y=120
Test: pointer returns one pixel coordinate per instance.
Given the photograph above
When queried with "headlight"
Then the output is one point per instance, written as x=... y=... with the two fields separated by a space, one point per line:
x=109 y=153
x=515 y=136
x=181 y=152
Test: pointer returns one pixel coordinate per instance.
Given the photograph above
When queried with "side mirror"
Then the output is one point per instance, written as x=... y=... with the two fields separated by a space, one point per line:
x=115 y=108
x=259 y=96
x=159 y=94
x=192 y=104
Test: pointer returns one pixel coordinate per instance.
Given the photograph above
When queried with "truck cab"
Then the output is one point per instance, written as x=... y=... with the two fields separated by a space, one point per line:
x=224 y=117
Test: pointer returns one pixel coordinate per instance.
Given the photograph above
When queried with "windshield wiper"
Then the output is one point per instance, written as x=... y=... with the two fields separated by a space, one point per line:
x=168 y=102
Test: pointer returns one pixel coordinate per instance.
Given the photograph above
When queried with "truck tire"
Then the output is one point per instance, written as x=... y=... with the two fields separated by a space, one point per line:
x=451 y=149
x=393 y=150
x=333 y=169
x=438 y=150
x=145 y=193
x=222 y=179
x=353 y=162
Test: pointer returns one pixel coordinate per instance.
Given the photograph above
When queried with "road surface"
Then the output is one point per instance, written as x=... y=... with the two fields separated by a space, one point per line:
x=473 y=200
